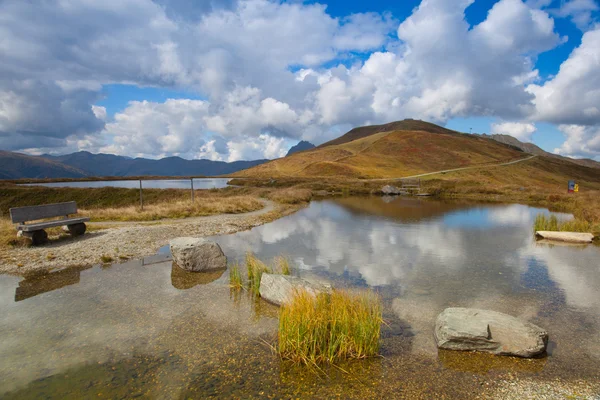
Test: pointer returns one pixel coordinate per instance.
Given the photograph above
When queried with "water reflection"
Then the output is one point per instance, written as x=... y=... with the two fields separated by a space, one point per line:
x=188 y=334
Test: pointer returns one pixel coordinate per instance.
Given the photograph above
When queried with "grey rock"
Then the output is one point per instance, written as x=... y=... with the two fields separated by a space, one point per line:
x=279 y=289
x=197 y=254
x=570 y=237
x=390 y=190
x=470 y=329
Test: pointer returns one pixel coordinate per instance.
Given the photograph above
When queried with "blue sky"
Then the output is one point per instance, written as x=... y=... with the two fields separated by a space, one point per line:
x=243 y=79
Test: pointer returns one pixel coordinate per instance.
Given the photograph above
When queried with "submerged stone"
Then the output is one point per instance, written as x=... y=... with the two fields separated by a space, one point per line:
x=197 y=254
x=471 y=329
x=279 y=289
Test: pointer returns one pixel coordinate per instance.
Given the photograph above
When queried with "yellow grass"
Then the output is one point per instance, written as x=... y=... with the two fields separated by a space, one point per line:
x=291 y=195
x=235 y=277
x=330 y=327
x=177 y=209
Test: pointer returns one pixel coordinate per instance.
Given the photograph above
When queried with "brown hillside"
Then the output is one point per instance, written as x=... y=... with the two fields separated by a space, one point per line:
x=390 y=154
x=404 y=125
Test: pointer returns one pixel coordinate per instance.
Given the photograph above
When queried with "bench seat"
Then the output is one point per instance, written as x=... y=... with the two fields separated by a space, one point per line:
x=49 y=224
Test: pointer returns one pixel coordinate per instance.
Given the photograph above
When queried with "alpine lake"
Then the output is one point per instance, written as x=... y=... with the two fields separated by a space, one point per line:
x=147 y=329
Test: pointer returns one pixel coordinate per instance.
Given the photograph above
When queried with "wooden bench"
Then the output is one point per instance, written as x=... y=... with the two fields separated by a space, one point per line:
x=35 y=231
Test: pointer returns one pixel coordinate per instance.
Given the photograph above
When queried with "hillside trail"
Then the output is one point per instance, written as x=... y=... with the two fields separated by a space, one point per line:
x=456 y=169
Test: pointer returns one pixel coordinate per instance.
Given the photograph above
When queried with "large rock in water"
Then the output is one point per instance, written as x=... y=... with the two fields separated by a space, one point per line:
x=197 y=254
x=489 y=331
x=571 y=237
x=390 y=190
x=279 y=289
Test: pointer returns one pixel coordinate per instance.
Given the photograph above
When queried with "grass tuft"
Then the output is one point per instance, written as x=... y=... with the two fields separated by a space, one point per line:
x=282 y=265
x=255 y=270
x=106 y=259
x=330 y=328
x=235 y=277
x=551 y=223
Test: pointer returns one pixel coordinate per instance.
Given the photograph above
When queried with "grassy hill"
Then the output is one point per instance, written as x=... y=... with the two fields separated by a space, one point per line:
x=388 y=151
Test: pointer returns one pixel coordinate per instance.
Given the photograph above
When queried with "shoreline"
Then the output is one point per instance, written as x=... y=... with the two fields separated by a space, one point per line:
x=132 y=240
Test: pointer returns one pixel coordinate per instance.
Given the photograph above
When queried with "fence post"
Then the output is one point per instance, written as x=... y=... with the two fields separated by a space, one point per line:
x=141 y=197
x=192 y=182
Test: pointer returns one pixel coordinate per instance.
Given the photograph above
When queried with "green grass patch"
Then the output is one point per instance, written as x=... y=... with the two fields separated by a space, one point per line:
x=551 y=223
x=330 y=328
x=255 y=270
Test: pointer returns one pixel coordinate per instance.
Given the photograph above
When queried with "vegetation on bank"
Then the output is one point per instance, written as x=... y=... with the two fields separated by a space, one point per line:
x=279 y=265
x=330 y=328
x=551 y=223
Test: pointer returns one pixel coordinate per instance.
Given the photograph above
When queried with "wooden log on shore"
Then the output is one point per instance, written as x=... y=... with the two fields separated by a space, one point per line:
x=571 y=237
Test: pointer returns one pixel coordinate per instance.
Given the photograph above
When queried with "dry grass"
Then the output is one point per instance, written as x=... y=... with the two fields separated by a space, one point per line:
x=330 y=327
x=551 y=223
x=177 y=209
x=291 y=196
x=235 y=277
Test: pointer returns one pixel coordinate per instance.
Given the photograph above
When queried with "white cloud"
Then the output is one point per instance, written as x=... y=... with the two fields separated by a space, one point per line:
x=582 y=141
x=519 y=130
x=259 y=67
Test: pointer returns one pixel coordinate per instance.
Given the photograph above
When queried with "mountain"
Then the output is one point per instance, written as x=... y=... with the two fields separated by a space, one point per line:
x=404 y=125
x=301 y=146
x=411 y=147
x=17 y=165
x=112 y=165
x=83 y=163
x=533 y=149
x=397 y=149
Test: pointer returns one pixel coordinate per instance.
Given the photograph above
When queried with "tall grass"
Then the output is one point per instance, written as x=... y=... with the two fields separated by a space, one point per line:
x=551 y=223
x=255 y=270
x=282 y=265
x=235 y=277
x=329 y=328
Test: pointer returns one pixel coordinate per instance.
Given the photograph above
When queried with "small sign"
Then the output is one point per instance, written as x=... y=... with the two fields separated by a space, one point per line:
x=573 y=187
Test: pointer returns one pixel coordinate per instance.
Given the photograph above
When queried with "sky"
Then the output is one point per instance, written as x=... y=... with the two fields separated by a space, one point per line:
x=247 y=79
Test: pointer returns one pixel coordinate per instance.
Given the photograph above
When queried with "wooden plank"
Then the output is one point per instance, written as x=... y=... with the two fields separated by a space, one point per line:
x=32 y=213
x=49 y=224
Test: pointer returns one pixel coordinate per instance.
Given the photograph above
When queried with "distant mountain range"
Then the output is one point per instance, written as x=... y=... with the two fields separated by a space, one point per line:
x=84 y=164
x=301 y=146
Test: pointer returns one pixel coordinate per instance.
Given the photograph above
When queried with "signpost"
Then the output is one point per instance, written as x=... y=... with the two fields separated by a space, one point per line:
x=573 y=187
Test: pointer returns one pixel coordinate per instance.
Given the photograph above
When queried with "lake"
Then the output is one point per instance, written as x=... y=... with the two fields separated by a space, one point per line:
x=146 y=328
x=199 y=183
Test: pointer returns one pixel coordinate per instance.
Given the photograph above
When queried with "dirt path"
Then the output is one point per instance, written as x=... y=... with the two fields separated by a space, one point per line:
x=463 y=168
x=125 y=240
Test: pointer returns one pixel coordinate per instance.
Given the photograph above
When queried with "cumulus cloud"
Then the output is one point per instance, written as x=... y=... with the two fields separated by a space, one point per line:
x=582 y=141
x=519 y=130
x=271 y=72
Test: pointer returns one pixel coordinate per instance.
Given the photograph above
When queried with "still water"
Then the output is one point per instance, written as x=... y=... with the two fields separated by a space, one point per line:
x=199 y=183
x=148 y=329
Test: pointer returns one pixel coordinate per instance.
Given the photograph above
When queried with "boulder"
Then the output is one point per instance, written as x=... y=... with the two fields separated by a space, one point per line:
x=390 y=190
x=197 y=254
x=470 y=329
x=279 y=289
x=571 y=237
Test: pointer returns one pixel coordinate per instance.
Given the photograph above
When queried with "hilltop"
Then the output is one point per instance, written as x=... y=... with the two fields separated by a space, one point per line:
x=301 y=146
x=397 y=149
x=17 y=165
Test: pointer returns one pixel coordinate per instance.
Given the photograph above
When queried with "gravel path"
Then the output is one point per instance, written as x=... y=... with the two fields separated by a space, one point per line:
x=130 y=240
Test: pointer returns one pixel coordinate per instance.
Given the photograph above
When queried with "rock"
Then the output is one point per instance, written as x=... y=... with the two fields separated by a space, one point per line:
x=571 y=237
x=197 y=254
x=390 y=190
x=470 y=329
x=278 y=289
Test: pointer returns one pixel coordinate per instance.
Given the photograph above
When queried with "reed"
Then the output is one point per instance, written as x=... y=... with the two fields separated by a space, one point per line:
x=235 y=277
x=544 y=223
x=255 y=270
x=282 y=265
x=330 y=328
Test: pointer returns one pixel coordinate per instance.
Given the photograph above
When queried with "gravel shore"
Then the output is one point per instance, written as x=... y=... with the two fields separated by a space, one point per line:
x=126 y=240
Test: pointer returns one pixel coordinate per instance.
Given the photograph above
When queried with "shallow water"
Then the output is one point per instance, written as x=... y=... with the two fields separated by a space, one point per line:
x=146 y=328
x=199 y=183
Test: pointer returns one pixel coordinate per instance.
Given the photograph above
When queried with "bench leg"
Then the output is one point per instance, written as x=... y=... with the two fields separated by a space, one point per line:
x=77 y=229
x=36 y=237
